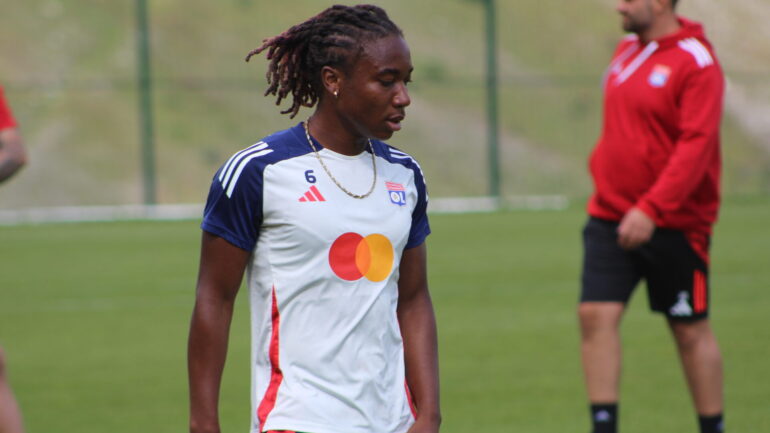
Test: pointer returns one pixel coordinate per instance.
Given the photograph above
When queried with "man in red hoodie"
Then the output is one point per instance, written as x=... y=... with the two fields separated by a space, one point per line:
x=656 y=170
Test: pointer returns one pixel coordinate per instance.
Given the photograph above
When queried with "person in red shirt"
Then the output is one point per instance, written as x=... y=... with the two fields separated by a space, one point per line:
x=12 y=153
x=12 y=157
x=656 y=170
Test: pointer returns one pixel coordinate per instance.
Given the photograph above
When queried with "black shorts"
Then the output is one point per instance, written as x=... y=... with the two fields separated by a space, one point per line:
x=676 y=276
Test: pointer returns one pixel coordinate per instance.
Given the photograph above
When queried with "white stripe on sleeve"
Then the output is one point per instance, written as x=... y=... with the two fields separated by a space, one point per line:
x=240 y=168
x=227 y=170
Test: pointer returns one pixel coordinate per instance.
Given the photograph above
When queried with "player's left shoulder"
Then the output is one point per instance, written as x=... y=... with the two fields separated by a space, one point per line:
x=393 y=154
x=400 y=164
x=396 y=156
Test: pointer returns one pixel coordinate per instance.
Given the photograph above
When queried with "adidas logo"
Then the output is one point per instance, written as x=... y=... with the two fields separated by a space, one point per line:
x=682 y=307
x=313 y=194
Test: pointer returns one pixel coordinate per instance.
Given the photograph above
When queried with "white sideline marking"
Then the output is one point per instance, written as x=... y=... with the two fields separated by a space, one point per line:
x=491 y=204
x=100 y=213
x=179 y=212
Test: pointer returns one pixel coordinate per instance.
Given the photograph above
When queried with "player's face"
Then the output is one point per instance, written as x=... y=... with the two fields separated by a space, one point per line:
x=637 y=15
x=374 y=97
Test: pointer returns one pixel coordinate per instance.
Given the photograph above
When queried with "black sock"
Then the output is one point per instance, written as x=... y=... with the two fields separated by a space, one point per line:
x=711 y=424
x=604 y=418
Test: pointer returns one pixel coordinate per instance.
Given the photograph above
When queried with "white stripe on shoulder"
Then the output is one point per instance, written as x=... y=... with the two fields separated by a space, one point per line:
x=698 y=51
x=708 y=60
x=686 y=45
x=401 y=155
x=227 y=168
x=241 y=166
x=637 y=62
x=234 y=167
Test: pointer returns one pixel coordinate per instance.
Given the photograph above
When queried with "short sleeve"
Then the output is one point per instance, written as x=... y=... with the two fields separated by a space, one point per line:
x=420 y=227
x=234 y=206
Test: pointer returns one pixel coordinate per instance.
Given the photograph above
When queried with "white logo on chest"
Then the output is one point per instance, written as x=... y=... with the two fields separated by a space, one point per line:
x=659 y=76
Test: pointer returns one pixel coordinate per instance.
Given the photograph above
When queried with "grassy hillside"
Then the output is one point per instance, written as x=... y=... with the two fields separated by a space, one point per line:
x=69 y=73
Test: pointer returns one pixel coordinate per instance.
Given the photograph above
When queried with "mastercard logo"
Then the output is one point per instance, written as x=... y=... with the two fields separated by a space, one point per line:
x=353 y=257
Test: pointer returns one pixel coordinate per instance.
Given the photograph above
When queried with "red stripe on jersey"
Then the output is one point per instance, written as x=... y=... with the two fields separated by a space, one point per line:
x=702 y=292
x=699 y=242
x=317 y=193
x=268 y=401
x=700 y=301
x=310 y=197
x=696 y=290
x=412 y=407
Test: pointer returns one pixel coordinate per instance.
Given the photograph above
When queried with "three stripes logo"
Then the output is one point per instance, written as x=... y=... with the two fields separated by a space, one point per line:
x=234 y=166
x=699 y=52
x=313 y=194
x=397 y=154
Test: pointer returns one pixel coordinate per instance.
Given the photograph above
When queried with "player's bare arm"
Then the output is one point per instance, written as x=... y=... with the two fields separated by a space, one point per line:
x=418 y=328
x=12 y=153
x=221 y=271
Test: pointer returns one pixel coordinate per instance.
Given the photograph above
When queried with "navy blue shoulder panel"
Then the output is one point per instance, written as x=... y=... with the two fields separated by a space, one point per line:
x=234 y=206
x=420 y=226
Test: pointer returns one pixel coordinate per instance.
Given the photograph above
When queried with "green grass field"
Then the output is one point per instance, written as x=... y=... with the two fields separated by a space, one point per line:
x=94 y=321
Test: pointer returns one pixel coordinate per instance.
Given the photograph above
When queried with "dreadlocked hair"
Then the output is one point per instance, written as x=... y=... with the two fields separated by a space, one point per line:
x=335 y=38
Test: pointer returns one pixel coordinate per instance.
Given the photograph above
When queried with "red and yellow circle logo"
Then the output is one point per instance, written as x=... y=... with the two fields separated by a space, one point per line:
x=353 y=256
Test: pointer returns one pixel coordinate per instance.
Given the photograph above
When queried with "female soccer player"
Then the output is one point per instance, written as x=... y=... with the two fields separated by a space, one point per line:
x=329 y=224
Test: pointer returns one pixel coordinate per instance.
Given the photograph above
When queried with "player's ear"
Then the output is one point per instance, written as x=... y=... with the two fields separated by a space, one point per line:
x=331 y=79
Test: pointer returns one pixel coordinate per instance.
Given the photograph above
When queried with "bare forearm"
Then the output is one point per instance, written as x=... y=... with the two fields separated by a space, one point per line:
x=9 y=165
x=418 y=327
x=219 y=277
x=10 y=415
x=206 y=354
x=12 y=153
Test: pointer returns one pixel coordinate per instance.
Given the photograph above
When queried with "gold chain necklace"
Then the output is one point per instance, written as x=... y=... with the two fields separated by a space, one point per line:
x=326 y=169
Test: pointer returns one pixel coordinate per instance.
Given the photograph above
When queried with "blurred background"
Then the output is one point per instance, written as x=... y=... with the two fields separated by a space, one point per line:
x=70 y=71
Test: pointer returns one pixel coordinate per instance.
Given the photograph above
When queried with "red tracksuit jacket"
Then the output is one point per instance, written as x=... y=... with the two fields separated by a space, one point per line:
x=659 y=146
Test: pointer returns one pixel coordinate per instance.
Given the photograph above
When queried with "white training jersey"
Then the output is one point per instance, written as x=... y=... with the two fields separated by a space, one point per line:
x=327 y=353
